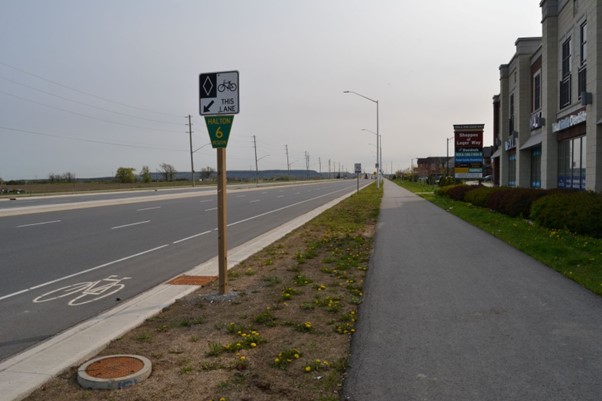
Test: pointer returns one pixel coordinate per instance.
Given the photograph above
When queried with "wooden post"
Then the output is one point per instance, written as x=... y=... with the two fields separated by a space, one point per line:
x=222 y=206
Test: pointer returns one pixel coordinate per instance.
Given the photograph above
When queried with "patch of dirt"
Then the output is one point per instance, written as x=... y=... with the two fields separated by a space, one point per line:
x=281 y=333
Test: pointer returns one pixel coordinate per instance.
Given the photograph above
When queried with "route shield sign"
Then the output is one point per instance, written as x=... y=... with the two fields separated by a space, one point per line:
x=219 y=130
x=218 y=93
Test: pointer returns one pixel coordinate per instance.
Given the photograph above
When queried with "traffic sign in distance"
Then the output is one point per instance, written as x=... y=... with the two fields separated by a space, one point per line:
x=218 y=93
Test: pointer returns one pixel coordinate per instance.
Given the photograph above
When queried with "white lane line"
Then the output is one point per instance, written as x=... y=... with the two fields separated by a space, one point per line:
x=191 y=237
x=241 y=196
x=82 y=272
x=129 y=225
x=284 y=207
x=206 y=200
x=255 y=201
x=210 y=210
x=148 y=208
x=280 y=196
x=39 y=224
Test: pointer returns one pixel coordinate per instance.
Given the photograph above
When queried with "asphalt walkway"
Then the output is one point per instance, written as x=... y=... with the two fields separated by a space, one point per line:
x=452 y=313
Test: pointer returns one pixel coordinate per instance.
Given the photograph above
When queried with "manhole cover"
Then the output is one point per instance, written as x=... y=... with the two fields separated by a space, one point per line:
x=114 y=372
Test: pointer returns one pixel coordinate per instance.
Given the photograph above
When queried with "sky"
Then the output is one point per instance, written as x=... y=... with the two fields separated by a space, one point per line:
x=88 y=86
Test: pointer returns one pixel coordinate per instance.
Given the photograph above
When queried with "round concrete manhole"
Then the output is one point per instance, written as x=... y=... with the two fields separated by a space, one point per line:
x=114 y=372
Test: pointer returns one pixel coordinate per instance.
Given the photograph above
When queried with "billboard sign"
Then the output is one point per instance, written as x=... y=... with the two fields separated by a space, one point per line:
x=468 y=151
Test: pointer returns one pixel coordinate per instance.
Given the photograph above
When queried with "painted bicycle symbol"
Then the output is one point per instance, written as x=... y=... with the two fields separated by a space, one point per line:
x=231 y=86
x=90 y=291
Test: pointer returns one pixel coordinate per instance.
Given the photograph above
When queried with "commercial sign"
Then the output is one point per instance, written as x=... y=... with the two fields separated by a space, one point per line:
x=218 y=93
x=579 y=117
x=468 y=151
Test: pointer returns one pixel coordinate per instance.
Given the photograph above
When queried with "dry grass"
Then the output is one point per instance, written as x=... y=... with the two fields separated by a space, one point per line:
x=282 y=333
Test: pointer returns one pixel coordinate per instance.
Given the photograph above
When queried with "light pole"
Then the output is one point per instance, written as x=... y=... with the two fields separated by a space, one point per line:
x=191 y=162
x=447 y=161
x=378 y=147
x=378 y=155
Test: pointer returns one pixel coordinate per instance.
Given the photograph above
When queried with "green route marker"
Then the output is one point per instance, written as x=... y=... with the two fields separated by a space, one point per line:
x=219 y=130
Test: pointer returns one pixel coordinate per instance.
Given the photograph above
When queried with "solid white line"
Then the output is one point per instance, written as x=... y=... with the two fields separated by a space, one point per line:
x=35 y=287
x=210 y=210
x=129 y=225
x=39 y=224
x=284 y=207
x=191 y=237
x=206 y=200
x=148 y=208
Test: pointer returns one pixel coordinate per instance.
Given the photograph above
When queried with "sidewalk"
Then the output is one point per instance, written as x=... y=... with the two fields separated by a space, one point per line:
x=451 y=313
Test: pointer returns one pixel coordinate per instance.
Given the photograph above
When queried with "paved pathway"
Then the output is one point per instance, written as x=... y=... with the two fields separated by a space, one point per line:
x=451 y=313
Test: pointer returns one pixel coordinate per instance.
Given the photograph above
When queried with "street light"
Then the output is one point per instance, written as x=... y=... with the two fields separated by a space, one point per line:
x=447 y=161
x=379 y=149
x=378 y=156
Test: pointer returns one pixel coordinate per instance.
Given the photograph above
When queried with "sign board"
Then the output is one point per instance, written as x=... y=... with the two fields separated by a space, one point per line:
x=358 y=168
x=218 y=93
x=468 y=151
x=219 y=130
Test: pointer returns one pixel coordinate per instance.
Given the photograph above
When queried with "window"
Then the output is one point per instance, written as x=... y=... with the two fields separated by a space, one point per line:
x=536 y=88
x=571 y=163
x=536 y=167
x=511 y=122
x=512 y=169
x=565 y=83
x=583 y=42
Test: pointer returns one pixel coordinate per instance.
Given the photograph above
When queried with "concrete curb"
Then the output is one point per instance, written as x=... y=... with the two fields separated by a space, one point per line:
x=24 y=373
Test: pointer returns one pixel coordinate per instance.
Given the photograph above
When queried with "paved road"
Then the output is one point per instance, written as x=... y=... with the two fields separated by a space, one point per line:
x=451 y=313
x=141 y=244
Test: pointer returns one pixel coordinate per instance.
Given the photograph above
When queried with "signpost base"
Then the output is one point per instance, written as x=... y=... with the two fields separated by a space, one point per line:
x=222 y=207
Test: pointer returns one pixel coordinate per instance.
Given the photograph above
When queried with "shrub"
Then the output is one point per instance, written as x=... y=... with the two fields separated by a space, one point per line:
x=479 y=196
x=447 y=180
x=456 y=192
x=578 y=212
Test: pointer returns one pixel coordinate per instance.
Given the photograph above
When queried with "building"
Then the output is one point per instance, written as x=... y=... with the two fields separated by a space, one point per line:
x=548 y=113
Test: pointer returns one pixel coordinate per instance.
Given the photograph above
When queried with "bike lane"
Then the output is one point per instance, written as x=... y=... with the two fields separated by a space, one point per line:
x=452 y=313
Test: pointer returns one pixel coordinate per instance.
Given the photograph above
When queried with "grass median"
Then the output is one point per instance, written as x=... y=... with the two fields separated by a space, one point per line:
x=575 y=256
x=281 y=333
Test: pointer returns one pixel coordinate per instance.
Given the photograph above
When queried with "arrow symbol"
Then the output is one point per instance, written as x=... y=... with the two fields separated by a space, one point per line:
x=206 y=108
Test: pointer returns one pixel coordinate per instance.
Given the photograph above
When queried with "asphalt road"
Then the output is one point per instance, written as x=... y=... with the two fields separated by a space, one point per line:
x=127 y=247
x=452 y=313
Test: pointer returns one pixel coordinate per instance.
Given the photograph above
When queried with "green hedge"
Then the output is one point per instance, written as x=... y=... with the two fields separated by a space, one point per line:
x=578 y=212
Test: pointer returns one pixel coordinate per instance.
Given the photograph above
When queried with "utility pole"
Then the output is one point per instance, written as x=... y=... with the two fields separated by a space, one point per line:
x=191 y=158
x=288 y=165
x=329 y=169
x=256 y=164
x=306 y=164
x=320 y=166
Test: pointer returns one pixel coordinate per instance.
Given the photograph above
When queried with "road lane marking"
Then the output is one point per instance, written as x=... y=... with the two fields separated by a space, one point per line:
x=148 y=208
x=129 y=225
x=241 y=196
x=210 y=210
x=35 y=287
x=280 y=196
x=284 y=207
x=191 y=237
x=206 y=200
x=255 y=201
x=39 y=224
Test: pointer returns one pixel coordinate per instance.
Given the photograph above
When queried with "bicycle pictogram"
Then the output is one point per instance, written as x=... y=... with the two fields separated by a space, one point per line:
x=231 y=86
x=90 y=291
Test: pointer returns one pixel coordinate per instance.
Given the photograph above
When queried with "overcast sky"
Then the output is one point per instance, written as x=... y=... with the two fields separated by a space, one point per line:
x=88 y=86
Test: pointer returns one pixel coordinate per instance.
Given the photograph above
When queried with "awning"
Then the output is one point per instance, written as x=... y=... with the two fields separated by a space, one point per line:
x=497 y=153
x=532 y=141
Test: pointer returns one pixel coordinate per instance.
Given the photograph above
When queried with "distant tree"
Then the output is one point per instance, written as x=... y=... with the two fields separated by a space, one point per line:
x=69 y=177
x=54 y=178
x=145 y=175
x=168 y=171
x=207 y=172
x=125 y=175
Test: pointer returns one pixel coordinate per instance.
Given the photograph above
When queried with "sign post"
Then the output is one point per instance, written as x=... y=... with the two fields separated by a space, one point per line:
x=218 y=101
x=358 y=171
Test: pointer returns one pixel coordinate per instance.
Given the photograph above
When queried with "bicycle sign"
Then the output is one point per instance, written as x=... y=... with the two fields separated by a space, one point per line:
x=218 y=93
x=85 y=292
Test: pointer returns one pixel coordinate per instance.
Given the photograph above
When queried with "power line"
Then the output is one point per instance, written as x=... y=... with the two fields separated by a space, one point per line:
x=87 y=93
x=84 y=115
x=47 y=134
x=85 y=104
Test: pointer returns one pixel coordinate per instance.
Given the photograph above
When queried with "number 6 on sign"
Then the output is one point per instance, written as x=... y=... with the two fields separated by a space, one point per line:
x=219 y=133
